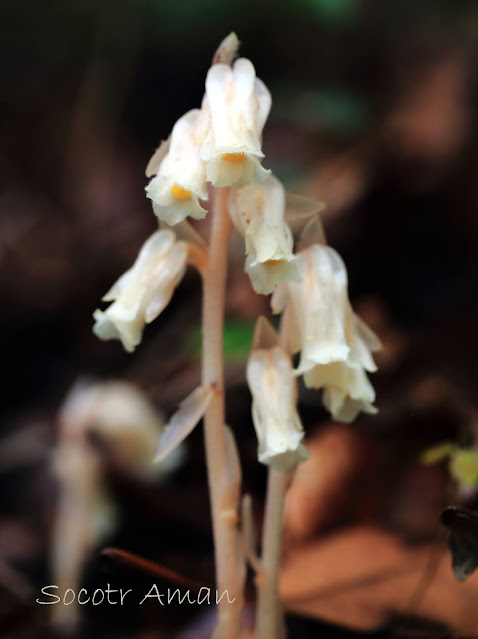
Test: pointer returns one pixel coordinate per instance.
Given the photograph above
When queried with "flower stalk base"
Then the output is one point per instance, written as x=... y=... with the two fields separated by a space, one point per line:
x=269 y=617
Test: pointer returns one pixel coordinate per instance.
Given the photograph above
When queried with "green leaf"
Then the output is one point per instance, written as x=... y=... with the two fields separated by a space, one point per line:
x=335 y=110
x=237 y=341
x=464 y=466
x=334 y=12
x=437 y=453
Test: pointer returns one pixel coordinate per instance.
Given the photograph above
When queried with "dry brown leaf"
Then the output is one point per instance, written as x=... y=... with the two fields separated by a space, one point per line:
x=432 y=119
x=340 y=182
x=324 y=485
x=17 y=541
x=360 y=576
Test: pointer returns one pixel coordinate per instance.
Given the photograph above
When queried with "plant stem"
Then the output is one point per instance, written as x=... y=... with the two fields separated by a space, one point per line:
x=269 y=618
x=223 y=492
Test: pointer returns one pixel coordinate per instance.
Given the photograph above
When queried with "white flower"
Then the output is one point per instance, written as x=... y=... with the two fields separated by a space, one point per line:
x=239 y=104
x=129 y=427
x=257 y=211
x=120 y=413
x=144 y=291
x=335 y=344
x=274 y=413
x=181 y=179
x=347 y=389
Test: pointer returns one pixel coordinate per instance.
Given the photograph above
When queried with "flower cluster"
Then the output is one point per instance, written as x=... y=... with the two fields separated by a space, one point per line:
x=220 y=144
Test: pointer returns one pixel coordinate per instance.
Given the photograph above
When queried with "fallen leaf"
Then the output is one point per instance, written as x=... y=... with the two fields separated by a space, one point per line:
x=360 y=576
x=325 y=484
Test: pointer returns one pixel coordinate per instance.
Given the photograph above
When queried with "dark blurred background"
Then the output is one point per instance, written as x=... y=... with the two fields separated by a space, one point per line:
x=374 y=113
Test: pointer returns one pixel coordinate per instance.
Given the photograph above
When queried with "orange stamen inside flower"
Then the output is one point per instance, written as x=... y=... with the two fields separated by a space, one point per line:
x=233 y=157
x=271 y=262
x=180 y=193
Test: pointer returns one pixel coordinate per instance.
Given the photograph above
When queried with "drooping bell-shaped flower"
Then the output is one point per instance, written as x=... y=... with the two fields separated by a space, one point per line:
x=347 y=389
x=144 y=291
x=119 y=413
x=239 y=104
x=270 y=377
x=121 y=417
x=257 y=211
x=335 y=344
x=180 y=180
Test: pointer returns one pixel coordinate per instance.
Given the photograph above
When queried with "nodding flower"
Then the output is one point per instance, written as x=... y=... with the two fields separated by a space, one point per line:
x=144 y=291
x=270 y=377
x=257 y=211
x=180 y=181
x=239 y=104
x=120 y=417
x=219 y=143
x=335 y=344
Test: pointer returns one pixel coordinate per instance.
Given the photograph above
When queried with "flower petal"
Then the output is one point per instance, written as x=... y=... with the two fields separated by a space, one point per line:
x=274 y=413
x=164 y=281
x=257 y=211
x=238 y=104
x=143 y=291
x=181 y=174
x=265 y=276
x=157 y=158
x=335 y=344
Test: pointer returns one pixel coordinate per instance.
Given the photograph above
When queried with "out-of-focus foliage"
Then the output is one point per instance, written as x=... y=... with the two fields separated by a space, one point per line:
x=237 y=341
x=336 y=112
x=463 y=462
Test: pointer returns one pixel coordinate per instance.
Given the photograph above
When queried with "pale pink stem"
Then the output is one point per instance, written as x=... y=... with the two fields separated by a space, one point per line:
x=223 y=488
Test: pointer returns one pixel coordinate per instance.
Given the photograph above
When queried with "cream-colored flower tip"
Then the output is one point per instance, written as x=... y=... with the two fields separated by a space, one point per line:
x=274 y=413
x=239 y=104
x=257 y=211
x=335 y=344
x=227 y=50
x=181 y=177
x=347 y=389
x=144 y=291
